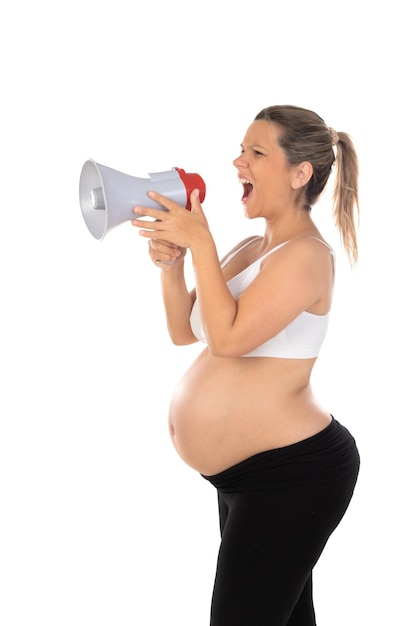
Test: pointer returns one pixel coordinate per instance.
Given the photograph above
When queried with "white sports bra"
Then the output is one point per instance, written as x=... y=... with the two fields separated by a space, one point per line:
x=301 y=339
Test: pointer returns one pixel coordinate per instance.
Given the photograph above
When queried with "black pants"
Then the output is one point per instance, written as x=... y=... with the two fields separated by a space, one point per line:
x=277 y=510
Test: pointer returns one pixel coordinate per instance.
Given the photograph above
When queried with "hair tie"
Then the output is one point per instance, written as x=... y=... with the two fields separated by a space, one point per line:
x=334 y=136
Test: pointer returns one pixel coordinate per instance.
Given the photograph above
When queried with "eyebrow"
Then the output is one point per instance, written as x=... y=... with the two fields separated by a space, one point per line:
x=253 y=145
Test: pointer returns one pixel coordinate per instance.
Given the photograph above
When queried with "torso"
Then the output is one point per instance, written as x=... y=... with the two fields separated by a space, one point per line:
x=224 y=410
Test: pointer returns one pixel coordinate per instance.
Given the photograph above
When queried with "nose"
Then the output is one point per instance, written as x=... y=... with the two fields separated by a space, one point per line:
x=240 y=162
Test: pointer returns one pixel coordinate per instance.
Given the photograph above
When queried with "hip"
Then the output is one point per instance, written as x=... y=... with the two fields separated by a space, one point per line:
x=329 y=456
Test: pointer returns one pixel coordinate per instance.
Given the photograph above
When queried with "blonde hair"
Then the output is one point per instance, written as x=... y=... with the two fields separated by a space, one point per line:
x=306 y=137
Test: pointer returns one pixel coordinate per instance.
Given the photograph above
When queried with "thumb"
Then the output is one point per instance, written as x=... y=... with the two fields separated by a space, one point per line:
x=196 y=206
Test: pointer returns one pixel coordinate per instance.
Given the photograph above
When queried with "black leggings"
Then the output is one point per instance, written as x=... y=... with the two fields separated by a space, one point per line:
x=277 y=510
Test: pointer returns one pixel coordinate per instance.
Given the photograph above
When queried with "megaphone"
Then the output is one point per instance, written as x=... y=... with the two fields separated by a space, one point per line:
x=107 y=197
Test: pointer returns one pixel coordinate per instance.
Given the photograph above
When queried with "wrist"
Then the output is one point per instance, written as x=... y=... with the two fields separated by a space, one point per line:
x=203 y=250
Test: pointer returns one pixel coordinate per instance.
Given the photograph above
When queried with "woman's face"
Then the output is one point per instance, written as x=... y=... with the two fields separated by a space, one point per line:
x=264 y=172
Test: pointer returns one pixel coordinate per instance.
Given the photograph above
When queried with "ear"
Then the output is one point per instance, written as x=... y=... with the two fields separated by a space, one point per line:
x=302 y=175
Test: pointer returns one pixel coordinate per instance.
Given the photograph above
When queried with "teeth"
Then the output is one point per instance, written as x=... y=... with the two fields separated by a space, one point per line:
x=244 y=181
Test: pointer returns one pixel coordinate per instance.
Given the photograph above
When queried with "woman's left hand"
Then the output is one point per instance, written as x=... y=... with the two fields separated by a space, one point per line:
x=176 y=224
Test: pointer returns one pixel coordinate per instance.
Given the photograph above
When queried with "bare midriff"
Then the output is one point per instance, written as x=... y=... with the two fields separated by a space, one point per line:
x=225 y=410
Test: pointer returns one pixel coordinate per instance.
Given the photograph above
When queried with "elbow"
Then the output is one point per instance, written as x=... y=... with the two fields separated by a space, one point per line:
x=180 y=339
x=182 y=342
x=224 y=350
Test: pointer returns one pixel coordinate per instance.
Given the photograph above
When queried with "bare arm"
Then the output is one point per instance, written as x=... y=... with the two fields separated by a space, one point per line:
x=295 y=278
x=180 y=229
x=296 y=274
x=178 y=303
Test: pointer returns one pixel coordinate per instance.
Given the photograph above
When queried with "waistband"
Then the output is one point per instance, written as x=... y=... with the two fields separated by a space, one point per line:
x=328 y=456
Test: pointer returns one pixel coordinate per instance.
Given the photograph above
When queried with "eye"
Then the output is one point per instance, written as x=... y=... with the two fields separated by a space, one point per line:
x=258 y=153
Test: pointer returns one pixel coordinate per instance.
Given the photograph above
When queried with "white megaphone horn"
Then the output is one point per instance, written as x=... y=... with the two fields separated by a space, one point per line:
x=107 y=197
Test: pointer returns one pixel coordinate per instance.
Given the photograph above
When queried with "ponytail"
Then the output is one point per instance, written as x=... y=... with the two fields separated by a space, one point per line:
x=345 y=195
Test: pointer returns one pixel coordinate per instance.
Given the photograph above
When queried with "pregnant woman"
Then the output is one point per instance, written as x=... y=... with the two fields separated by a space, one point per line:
x=244 y=415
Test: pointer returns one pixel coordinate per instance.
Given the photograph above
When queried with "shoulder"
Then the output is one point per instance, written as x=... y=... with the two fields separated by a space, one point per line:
x=306 y=255
x=304 y=247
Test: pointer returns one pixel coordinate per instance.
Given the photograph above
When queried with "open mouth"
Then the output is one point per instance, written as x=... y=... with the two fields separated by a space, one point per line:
x=247 y=188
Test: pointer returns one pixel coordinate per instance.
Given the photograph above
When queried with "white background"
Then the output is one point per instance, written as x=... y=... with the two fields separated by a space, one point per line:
x=101 y=523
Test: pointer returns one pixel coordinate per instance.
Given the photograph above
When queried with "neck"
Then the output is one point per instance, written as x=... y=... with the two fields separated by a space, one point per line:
x=288 y=227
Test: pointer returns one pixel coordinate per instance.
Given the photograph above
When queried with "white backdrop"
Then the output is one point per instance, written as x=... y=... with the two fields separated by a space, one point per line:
x=101 y=523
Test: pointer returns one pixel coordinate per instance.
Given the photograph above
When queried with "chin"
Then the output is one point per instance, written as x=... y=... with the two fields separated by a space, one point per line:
x=249 y=213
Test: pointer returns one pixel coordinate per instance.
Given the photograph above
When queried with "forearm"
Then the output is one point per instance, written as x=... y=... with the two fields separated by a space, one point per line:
x=178 y=304
x=217 y=306
x=189 y=230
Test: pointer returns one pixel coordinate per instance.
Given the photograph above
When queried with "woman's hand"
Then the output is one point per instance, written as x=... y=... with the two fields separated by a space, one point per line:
x=172 y=229
x=165 y=254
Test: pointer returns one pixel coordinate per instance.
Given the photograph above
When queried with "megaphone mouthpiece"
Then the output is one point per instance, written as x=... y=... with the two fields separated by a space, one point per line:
x=107 y=196
x=191 y=182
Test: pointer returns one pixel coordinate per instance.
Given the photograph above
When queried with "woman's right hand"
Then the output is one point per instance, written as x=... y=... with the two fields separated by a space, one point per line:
x=165 y=254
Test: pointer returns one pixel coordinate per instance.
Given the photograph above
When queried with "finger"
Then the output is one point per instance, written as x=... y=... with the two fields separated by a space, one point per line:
x=163 y=252
x=163 y=246
x=147 y=233
x=196 y=206
x=165 y=266
x=149 y=225
x=160 y=262
x=145 y=211
x=167 y=203
x=163 y=255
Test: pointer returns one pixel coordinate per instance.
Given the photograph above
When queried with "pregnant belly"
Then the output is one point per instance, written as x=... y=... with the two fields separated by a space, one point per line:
x=225 y=410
